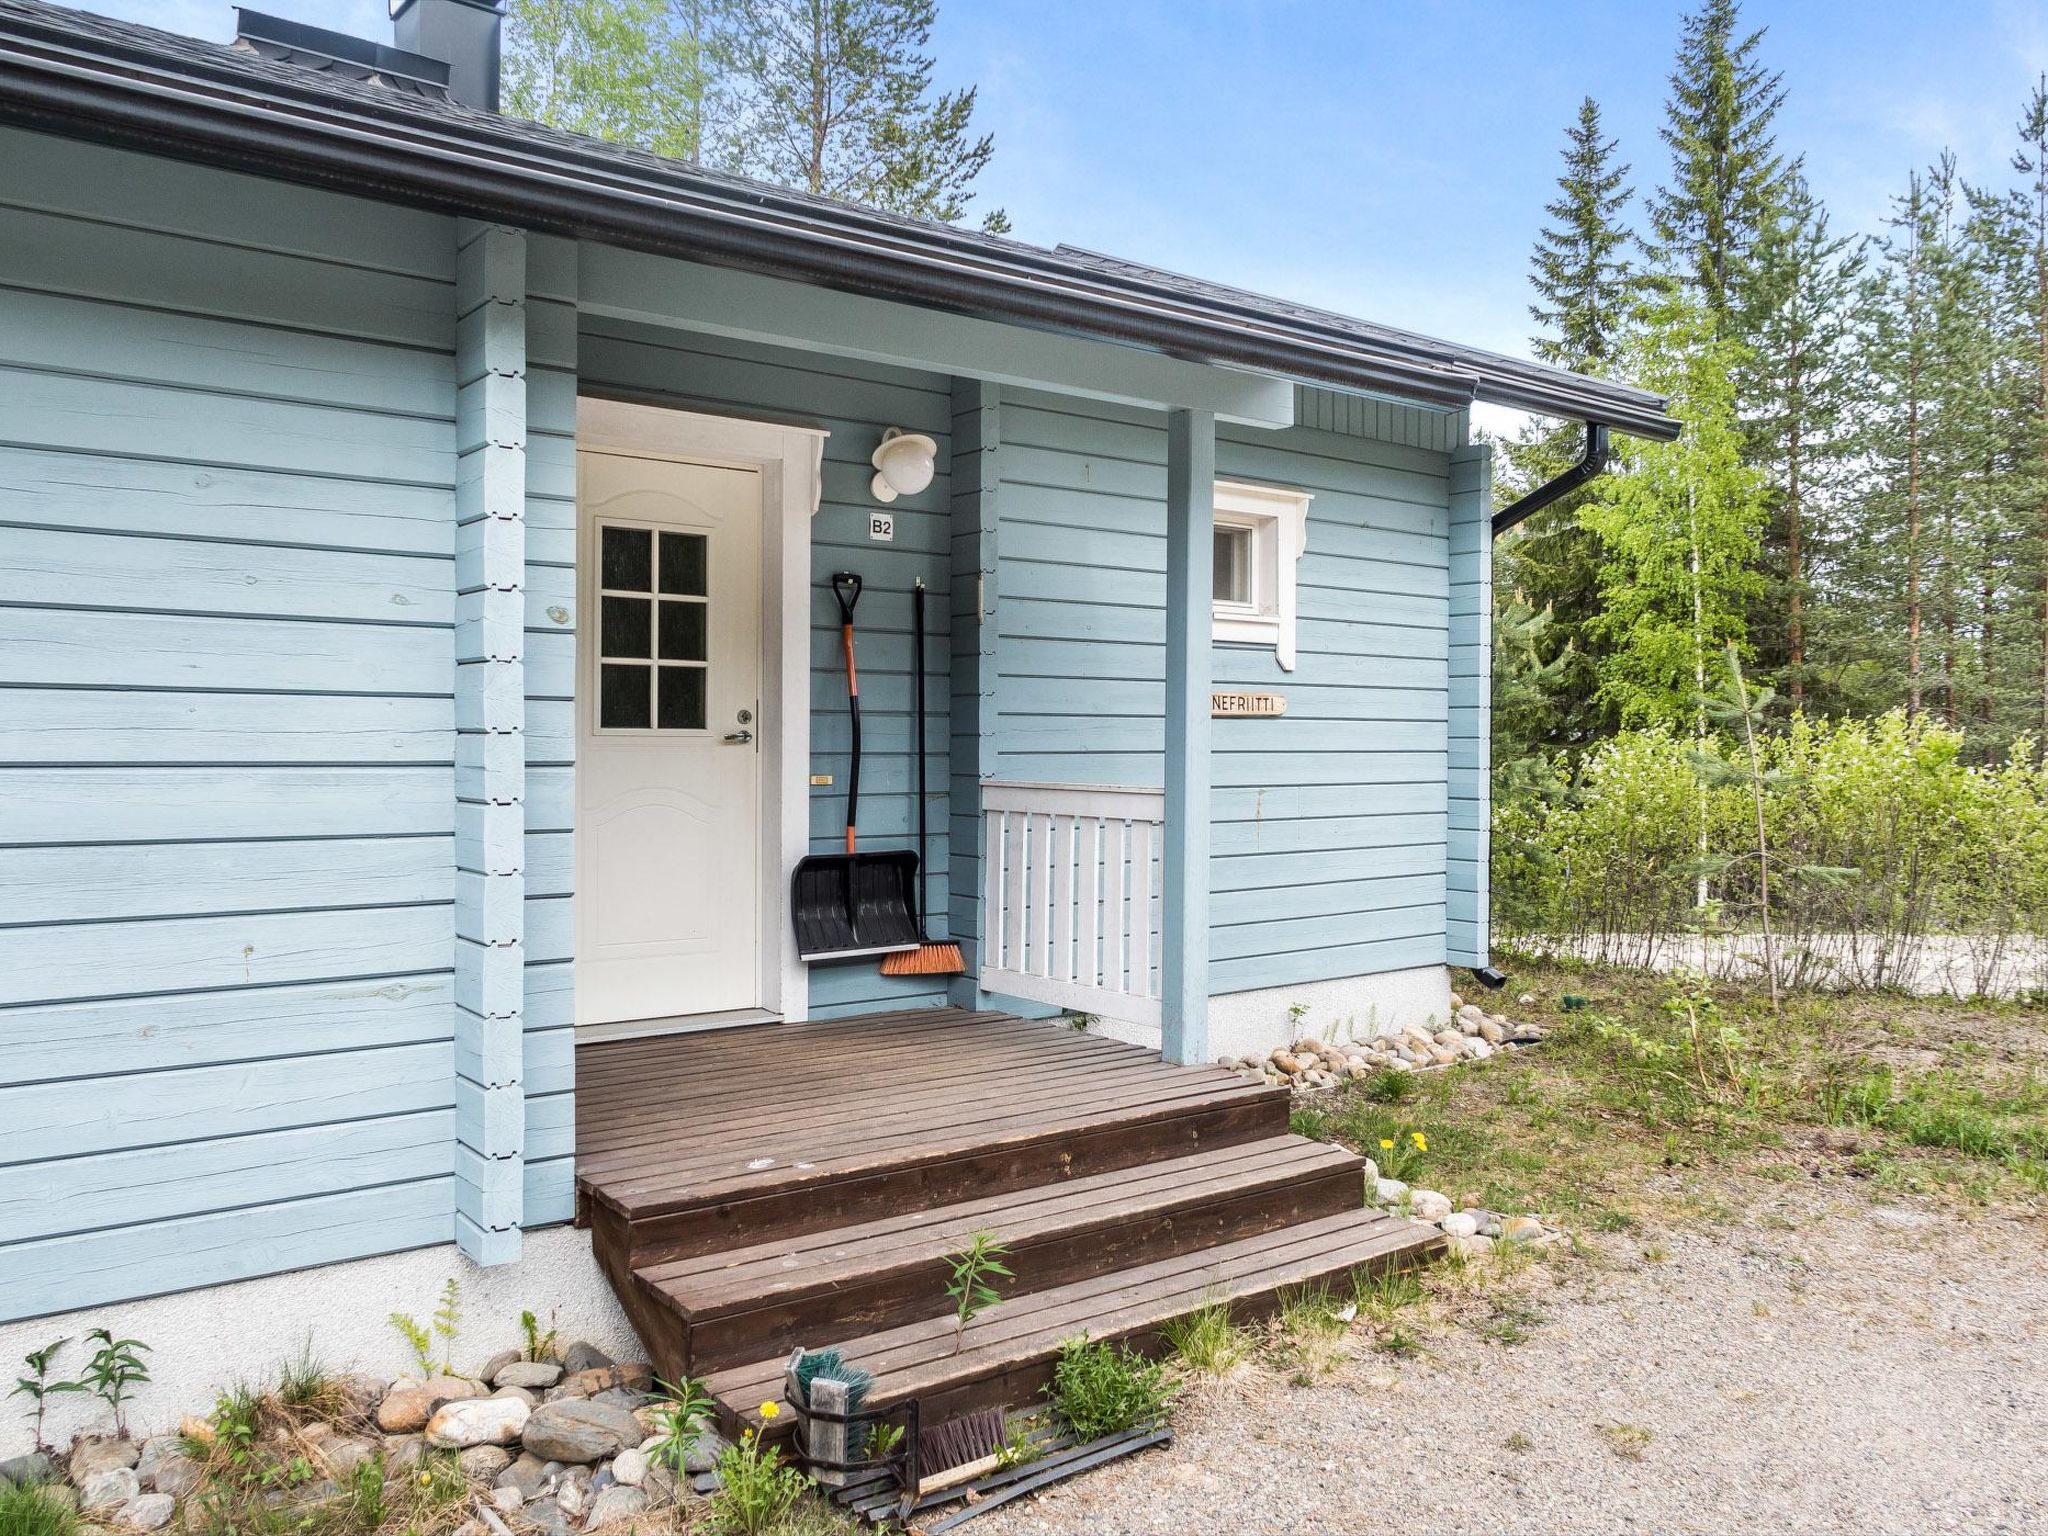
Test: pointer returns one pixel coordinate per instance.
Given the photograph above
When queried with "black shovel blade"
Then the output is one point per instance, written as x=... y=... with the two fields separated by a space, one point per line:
x=852 y=904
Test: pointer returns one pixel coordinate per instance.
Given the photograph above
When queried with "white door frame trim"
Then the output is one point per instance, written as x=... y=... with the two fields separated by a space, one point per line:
x=789 y=459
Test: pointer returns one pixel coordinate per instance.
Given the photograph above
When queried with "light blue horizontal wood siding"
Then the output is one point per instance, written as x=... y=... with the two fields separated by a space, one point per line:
x=227 y=767
x=1471 y=721
x=1331 y=825
x=855 y=402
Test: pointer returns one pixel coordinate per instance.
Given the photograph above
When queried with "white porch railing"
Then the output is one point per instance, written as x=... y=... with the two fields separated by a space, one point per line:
x=1070 y=896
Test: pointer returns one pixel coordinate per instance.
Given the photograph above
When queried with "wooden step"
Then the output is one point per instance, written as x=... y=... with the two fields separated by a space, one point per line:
x=1006 y=1355
x=890 y=1133
x=837 y=1285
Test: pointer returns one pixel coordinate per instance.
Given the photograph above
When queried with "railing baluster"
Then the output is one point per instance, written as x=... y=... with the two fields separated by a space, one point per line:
x=1088 y=874
x=1060 y=962
x=994 y=909
x=1115 y=939
x=1141 y=909
x=1013 y=900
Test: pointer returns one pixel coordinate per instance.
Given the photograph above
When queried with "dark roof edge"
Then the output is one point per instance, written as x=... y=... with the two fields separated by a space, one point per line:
x=55 y=79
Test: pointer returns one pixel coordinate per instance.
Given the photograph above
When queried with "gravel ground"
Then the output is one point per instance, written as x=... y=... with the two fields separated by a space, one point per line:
x=1821 y=1364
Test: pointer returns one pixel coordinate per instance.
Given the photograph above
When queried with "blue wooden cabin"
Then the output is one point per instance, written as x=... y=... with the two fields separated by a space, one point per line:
x=419 y=660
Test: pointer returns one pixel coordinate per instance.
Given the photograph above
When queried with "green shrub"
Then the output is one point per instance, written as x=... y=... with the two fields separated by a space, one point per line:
x=1882 y=835
x=1104 y=1389
x=756 y=1490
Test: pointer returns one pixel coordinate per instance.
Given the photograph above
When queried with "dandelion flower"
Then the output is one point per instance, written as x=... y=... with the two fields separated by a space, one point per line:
x=1421 y=1141
x=1386 y=1143
x=770 y=1410
x=426 y=1478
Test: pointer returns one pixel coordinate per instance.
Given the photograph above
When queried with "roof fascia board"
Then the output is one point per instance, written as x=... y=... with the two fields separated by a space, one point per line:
x=121 y=90
x=746 y=306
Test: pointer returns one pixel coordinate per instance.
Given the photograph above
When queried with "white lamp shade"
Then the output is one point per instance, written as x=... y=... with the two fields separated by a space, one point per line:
x=904 y=464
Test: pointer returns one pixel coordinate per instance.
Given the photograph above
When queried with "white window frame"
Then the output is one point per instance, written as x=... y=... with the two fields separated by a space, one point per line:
x=1278 y=522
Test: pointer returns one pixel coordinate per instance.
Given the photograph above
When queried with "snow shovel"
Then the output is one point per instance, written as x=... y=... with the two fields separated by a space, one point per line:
x=851 y=904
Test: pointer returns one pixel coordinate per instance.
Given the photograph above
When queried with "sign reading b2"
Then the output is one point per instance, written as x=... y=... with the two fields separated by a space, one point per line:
x=882 y=527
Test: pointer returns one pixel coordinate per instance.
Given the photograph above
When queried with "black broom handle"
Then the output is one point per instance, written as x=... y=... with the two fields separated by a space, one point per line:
x=846 y=588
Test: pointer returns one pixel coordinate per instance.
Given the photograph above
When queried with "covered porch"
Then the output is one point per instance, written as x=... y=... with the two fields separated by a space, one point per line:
x=1072 y=867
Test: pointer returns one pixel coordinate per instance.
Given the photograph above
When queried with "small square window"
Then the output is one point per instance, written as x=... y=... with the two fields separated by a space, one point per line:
x=1234 y=566
x=622 y=697
x=1260 y=534
x=628 y=560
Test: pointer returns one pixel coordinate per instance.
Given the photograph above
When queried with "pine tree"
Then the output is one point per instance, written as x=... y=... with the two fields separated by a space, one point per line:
x=1727 y=177
x=1679 y=525
x=1580 y=267
x=2015 y=234
x=838 y=100
x=1583 y=279
x=1805 y=384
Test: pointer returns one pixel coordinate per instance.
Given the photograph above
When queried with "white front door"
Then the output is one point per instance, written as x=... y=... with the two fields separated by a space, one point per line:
x=668 y=773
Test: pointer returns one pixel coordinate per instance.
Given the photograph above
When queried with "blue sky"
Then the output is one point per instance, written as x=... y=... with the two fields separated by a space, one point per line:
x=1390 y=158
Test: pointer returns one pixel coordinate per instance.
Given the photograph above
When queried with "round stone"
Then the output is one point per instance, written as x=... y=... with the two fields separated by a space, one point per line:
x=1461 y=1224
x=148 y=1511
x=1428 y=1204
x=580 y=1431
x=91 y=1457
x=1389 y=1191
x=404 y=1411
x=534 y=1375
x=109 y=1489
x=477 y=1421
x=615 y=1503
x=483 y=1463
x=630 y=1467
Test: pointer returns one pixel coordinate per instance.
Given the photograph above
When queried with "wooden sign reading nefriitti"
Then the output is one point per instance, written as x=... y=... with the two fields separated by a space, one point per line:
x=1247 y=703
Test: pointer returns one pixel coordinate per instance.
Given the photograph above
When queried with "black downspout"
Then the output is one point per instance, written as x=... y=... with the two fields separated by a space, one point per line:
x=1592 y=464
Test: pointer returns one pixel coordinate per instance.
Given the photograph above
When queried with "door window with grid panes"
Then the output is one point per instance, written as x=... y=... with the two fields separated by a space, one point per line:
x=653 y=628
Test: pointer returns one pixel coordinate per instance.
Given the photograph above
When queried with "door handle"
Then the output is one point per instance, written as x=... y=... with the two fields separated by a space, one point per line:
x=739 y=738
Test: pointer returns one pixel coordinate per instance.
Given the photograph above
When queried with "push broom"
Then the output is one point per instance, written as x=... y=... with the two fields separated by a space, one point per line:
x=928 y=959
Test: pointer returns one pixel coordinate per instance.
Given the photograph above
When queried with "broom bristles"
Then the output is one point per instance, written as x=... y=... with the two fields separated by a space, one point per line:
x=959 y=1441
x=926 y=960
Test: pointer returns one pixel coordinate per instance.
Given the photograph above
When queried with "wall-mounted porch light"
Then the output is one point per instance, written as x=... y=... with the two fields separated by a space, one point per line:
x=904 y=464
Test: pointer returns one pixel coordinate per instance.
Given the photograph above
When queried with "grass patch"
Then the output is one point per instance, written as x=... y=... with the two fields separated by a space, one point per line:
x=1208 y=1342
x=1628 y=1441
x=1513 y=1321
x=27 y=1509
x=1644 y=1079
x=1399 y=1342
x=1308 y=1329
x=1312 y=1123
x=1382 y=1295
x=261 y=1473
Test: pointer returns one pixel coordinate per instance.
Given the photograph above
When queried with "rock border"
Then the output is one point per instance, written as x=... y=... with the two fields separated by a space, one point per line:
x=1310 y=1065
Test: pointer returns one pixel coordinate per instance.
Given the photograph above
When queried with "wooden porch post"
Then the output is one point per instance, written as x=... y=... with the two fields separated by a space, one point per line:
x=1190 y=557
x=490 y=747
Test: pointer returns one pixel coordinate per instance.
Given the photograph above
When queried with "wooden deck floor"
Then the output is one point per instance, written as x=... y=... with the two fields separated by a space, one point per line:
x=759 y=1187
x=685 y=1121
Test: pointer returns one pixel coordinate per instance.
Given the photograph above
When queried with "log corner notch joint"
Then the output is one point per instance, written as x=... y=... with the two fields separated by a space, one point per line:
x=1591 y=466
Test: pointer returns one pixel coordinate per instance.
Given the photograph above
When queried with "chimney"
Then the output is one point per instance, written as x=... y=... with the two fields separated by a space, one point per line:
x=463 y=34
